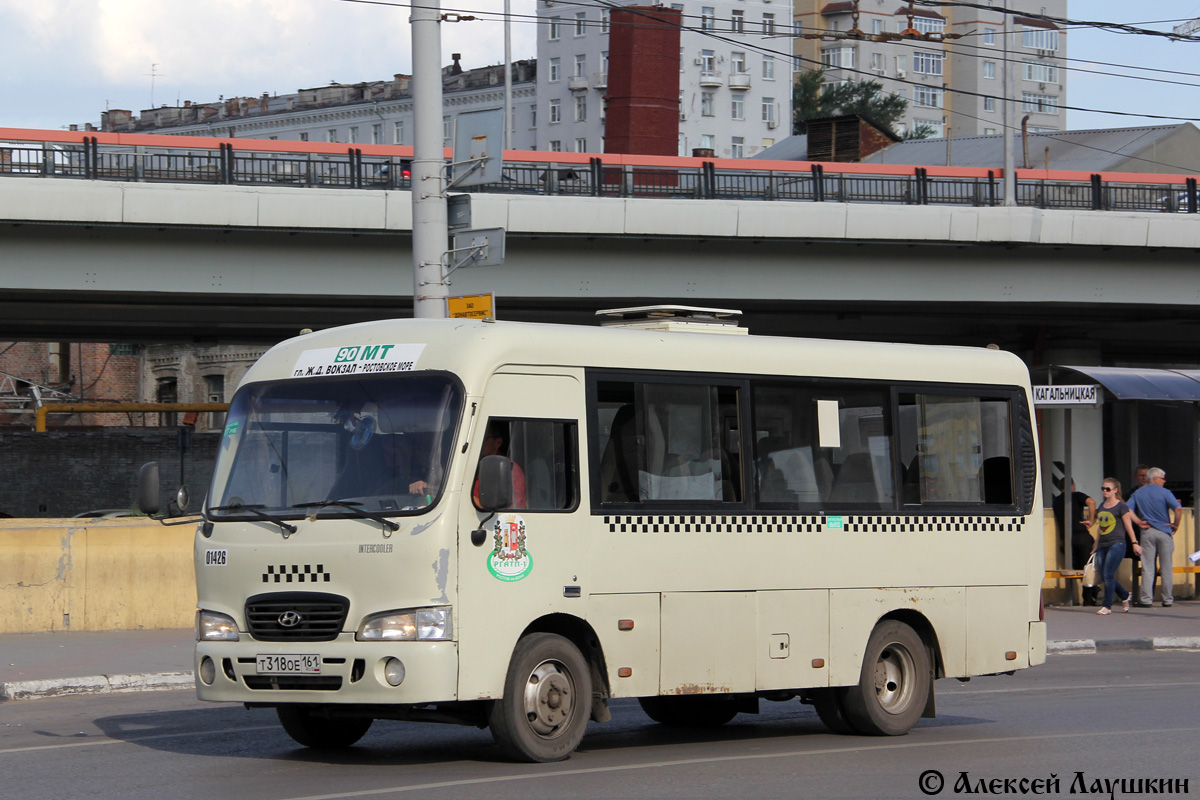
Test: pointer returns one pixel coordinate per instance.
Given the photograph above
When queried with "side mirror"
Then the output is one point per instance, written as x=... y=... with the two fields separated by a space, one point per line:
x=148 y=489
x=495 y=483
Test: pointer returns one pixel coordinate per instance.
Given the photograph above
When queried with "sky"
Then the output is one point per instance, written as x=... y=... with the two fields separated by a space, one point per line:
x=66 y=61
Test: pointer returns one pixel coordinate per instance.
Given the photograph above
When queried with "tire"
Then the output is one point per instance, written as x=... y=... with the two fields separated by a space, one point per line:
x=547 y=700
x=695 y=711
x=320 y=732
x=894 y=684
x=832 y=711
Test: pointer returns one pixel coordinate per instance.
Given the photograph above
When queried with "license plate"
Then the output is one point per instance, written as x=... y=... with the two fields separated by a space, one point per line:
x=288 y=665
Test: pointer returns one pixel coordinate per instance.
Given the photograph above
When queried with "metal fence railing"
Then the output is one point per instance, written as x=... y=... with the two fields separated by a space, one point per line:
x=352 y=169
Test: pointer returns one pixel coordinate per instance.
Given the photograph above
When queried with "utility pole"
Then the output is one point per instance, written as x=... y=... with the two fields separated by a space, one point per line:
x=1010 y=173
x=429 y=225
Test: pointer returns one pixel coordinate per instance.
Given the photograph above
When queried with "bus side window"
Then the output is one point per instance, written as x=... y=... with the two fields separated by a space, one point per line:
x=547 y=453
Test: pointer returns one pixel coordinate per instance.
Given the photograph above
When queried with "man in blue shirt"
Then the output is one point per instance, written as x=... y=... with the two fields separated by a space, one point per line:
x=1159 y=515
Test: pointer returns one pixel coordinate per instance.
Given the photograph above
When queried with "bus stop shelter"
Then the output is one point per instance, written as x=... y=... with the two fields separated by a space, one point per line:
x=1064 y=388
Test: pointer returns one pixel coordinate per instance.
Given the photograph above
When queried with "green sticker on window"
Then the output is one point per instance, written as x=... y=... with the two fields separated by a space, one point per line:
x=231 y=429
x=835 y=523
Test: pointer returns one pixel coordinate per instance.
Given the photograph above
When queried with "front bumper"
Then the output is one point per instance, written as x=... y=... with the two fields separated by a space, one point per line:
x=351 y=672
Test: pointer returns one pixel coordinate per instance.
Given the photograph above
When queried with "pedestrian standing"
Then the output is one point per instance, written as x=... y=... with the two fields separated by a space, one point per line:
x=1159 y=514
x=1115 y=524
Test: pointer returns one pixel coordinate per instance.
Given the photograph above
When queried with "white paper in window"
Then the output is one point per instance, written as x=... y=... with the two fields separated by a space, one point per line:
x=829 y=428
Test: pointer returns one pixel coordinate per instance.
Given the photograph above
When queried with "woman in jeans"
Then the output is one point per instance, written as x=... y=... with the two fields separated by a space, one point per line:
x=1115 y=522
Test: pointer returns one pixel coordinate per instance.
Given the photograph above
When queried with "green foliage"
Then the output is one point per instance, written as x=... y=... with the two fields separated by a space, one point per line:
x=813 y=99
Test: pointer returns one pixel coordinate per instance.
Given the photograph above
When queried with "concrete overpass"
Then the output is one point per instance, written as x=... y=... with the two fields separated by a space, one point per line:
x=130 y=261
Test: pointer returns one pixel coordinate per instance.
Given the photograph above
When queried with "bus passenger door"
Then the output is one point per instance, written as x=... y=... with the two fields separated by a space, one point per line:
x=531 y=562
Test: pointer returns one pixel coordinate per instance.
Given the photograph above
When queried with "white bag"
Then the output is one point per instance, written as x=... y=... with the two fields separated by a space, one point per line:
x=1089 y=572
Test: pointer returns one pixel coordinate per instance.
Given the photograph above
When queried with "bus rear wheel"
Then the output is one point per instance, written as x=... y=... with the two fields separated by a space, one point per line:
x=547 y=700
x=320 y=732
x=894 y=684
x=690 y=711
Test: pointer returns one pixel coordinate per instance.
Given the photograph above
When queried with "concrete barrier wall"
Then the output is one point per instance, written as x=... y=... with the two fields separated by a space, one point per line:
x=123 y=574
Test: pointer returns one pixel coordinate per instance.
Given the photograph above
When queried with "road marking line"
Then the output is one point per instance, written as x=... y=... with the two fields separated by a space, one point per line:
x=106 y=740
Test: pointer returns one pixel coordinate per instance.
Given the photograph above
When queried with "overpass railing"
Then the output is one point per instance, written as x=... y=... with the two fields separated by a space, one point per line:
x=196 y=160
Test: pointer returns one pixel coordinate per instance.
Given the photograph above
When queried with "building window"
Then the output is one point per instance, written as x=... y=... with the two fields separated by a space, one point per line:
x=928 y=63
x=555 y=111
x=767 y=143
x=398 y=133
x=331 y=135
x=555 y=28
x=708 y=61
x=353 y=135
x=876 y=26
x=928 y=96
x=166 y=391
x=708 y=18
x=304 y=136
x=1039 y=39
x=580 y=66
x=605 y=19
x=555 y=70
x=377 y=133
x=901 y=66
x=555 y=146
x=707 y=141
x=706 y=104
x=769 y=24
x=877 y=62
x=837 y=57
x=737 y=147
x=989 y=104
x=929 y=24
x=581 y=146
x=1040 y=103
x=768 y=68
x=533 y=116
x=447 y=132
x=737 y=107
x=933 y=125
x=989 y=70
x=580 y=23
x=989 y=35
x=1040 y=72
x=215 y=385
x=737 y=21
x=989 y=131
x=768 y=110
x=581 y=108
x=737 y=63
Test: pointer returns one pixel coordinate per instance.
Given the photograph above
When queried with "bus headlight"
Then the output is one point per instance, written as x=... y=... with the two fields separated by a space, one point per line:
x=214 y=627
x=408 y=625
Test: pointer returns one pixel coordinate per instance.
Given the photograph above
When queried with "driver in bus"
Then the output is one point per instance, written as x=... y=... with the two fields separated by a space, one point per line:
x=495 y=443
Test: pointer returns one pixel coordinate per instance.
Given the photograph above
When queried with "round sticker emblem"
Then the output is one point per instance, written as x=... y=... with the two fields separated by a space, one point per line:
x=509 y=561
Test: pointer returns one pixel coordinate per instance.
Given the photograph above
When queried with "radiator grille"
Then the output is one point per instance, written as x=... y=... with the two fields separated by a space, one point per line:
x=320 y=616
x=294 y=683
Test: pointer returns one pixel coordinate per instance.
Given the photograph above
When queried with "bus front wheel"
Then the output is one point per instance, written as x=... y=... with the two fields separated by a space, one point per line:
x=320 y=732
x=547 y=700
x=893 y=686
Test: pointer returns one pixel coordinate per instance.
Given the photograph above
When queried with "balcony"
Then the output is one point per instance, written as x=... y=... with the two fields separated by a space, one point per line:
x=577 y=83
x=600 y=80
x=711 y=78
x=739 y=81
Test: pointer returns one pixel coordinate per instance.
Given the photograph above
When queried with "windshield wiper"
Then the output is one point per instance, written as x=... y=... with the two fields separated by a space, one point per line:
x=354 y=507
x=255 y=511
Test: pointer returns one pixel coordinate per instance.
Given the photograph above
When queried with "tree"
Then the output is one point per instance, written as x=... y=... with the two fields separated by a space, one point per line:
x=812 y=98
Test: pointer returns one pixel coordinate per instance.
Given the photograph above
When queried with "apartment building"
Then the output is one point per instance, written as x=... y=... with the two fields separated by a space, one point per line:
x=373 y=112
x=928 y=72
x=735 y=81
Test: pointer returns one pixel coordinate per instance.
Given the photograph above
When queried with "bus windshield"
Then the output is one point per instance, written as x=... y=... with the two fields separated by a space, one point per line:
x=377 y=444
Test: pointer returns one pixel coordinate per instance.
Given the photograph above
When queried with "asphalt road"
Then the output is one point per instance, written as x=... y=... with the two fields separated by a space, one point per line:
x=1133 y=715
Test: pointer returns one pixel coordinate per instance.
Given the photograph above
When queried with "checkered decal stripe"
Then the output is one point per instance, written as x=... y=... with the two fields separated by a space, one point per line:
x=814 y=524
x=296 y=573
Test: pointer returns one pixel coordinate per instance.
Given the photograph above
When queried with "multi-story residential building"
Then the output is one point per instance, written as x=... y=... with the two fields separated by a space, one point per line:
x=735 y=88
x=377 y=112
x=952 y=85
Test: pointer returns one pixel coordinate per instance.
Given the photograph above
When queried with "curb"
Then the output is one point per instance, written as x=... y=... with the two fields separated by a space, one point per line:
x=95 y=684
x=1072 y=647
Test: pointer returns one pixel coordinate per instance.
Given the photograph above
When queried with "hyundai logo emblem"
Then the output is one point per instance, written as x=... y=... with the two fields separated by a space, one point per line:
x=290 y=619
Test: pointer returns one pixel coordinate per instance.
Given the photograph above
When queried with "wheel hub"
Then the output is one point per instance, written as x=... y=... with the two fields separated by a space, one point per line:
x=549 y=698
x=894 y=674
